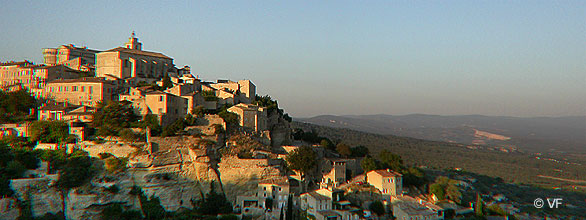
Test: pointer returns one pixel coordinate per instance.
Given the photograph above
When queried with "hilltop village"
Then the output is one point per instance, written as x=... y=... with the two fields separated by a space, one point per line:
x=124 y=134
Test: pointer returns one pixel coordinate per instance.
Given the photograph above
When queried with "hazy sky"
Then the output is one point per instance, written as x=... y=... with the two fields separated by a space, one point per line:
x=518 y=58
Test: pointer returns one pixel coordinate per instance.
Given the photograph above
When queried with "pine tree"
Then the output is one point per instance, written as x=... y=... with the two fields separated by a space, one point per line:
x=478 y=208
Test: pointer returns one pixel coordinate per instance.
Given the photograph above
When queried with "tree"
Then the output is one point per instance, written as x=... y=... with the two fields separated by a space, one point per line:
x=360 y=151
x=167 y=82
x=327 y=144
x=16 y=106
x=391 y=161
x=343 y=149
x=479 y=206
x=49 y=131
x=213 y=203
x=198 y=111
x=76 y=171
x=368 y=163
x=112 y=117
x=229 y=117
x=302 y=159
x=377 y=208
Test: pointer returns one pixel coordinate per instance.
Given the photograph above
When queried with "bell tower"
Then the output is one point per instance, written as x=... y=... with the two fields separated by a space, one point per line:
x=133 y=43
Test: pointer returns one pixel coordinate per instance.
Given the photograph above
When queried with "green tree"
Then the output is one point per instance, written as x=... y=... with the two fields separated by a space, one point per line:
x=16 y=106
x=229 y=117
x=116 y=211
x=327 y=144
x=302 y=159
x=360 y=151
x=112 y=117
x=198 y=111
x=391 y=161
x=49 y=132
x=76 y=171
x=343 y=149
x=377 y=208
x=213 y=203
x=167 y=82
x=368 y=163
x=479 y=206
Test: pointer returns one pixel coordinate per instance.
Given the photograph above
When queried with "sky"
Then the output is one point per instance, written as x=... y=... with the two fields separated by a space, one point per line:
x=504 y=58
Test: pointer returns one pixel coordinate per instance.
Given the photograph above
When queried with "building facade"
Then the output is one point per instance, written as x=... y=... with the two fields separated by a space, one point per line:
x=83 y=91
x=388 y=182
x=131 y=61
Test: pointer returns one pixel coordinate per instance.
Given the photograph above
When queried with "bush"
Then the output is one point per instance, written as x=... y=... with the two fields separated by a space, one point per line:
x=113 y=189
x=377 y=208
x=115 y=165
x=49 y=131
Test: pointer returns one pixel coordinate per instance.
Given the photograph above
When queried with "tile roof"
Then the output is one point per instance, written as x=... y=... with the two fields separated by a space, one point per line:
x=58 y=106
x=139 y=52
x=317 y=196
x=78 y=80
x=387 y=173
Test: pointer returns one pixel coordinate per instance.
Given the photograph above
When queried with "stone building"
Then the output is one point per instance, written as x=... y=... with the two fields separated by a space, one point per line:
x=388 y=182
x=83 y=91
x=25 y=74
x=251 y=116
x=243 y=91
x=131 y=61
x=333 y=173
x=78 y=58
x=409 y=208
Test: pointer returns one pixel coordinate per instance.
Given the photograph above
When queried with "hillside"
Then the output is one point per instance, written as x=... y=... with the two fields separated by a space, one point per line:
x=538 y=134
x=514 y=167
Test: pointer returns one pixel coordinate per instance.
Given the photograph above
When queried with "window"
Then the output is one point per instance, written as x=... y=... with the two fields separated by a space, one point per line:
x=74 y=88
x=90 y=89
x=161 y=98
x=160 y=110
x=83 y=89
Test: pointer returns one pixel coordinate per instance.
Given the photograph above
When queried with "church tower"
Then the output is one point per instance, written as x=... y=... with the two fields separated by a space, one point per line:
x=133 y=43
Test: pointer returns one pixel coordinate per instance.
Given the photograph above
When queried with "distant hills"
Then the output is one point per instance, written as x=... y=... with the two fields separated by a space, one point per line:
x=536 y=134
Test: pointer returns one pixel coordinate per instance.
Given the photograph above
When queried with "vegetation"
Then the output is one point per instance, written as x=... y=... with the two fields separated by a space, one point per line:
x=114 y=164
x=76 y=170
x=16 y=106
x=213 y=203
x=440 y=155
x=112 y=117
x=13 y=164
x=377 y=208
x=302 y=159
x=116 y=211
x=445 y=188
x=230 y=118
x=344 y=150
x=50 y=132
x=209 y=95
x=167 y=82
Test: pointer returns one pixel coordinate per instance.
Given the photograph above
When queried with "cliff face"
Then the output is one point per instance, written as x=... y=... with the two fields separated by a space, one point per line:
x=179 y=172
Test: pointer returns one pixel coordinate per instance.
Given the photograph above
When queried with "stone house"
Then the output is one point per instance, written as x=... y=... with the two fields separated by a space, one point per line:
x=388 y=182
x=333 y=172
x=78 y=58
x=25 y=74
x=409 y=208
x=251 y=116
x=83 y=91
x=131 y=61
x=16 y=130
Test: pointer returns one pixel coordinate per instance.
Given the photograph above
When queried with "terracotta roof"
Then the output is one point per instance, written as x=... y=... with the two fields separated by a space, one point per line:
x=71 y=46
x=139 y=52
x=279 y=181
x=387 y=173
x=58 y=106
x=317 y=196
x=20 y=63
x=78 y=80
